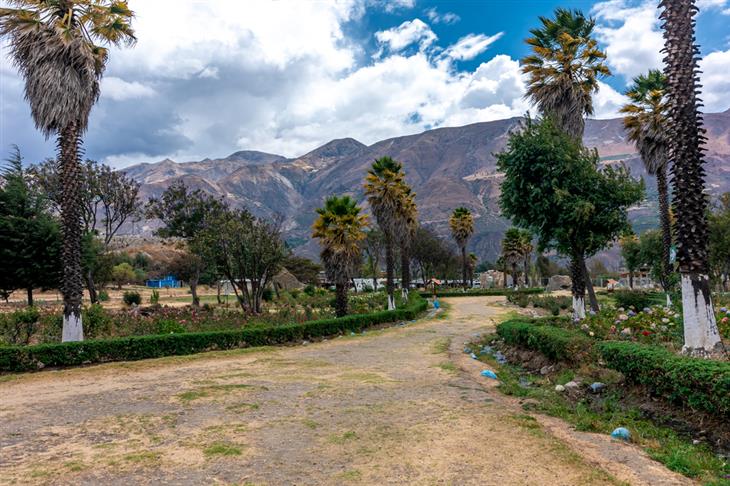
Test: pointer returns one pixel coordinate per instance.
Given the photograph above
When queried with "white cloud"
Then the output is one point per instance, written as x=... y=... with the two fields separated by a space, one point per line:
x=607 y=102
x=120 y=90
x=441 y=18
x=714 y=4
x=409 y=32
x=716 y=83
x=470 y=46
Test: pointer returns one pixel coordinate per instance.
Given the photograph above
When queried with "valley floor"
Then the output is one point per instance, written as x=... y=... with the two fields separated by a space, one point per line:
x=398 y=406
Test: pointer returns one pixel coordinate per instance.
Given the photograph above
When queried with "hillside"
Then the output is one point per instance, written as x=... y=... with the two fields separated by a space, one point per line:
x=447 y=167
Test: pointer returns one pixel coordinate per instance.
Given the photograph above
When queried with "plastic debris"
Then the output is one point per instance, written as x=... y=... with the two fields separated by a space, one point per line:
x=489 y=374
x=501 y=359
x=487 y=350
x=467 y=350
x=473 y=356
x=436 y=304
x=597 y=387
x=559 y=388
x=621 y=433
x=524 y=382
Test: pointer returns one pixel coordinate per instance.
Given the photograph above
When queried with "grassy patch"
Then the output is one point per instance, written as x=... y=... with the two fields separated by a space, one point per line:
x=243 y=407
x=448 y=366
x=351 y=475
x=310 y=424
x=142 y=457
x=441 y=346
x=364 y=377
x=663 y=444
x=222 y=449
x=343 y=438
x=206 y=391
x=75 y=466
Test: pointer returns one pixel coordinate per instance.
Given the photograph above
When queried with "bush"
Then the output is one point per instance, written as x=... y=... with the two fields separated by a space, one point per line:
x=96 y=321
x=25 y=358
x=169 y=326
x=636 y=299
x=309 y=290
x=131 y=297
x=696 y=383
x=267 y=295
x=103 y=296
x=19 y=326
x=555 y=343
x=155 y=297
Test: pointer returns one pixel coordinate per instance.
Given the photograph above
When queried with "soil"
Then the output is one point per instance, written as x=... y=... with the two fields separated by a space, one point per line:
x=402 y=405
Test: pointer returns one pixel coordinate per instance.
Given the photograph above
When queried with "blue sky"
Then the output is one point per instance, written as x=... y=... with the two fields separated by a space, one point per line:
x=285 y=76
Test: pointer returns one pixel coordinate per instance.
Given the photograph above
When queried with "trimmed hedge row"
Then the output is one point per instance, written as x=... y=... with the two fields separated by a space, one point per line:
x=696 y=383
x=27 y=358
x=483 y=292
x=555 y=343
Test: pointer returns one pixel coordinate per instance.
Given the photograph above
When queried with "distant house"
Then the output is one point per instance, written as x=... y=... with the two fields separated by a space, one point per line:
x=166 y=282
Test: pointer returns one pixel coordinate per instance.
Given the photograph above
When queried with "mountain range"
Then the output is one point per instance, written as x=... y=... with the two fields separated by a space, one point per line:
x=447 y=167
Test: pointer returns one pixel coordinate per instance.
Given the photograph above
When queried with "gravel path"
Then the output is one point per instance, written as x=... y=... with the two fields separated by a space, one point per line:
x=397 y=406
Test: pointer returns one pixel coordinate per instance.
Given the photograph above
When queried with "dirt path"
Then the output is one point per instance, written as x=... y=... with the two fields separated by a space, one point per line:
x=398 y=406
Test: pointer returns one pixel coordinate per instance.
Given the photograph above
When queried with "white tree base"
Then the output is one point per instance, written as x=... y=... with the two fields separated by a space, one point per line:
x=579 y=308
x=701 y=336
x=404 y=294
x=391 y=302
x=72 y=328
x=669 y=300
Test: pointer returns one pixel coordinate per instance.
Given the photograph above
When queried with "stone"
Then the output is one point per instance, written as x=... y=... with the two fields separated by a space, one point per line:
x=545 y=370
x=559 y=388
x=559 y=282
x=571 y=384
x=597 y=387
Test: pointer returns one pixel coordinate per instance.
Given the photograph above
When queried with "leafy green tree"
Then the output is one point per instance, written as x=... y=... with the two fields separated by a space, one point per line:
x=186 y=214
x=340 y=230
x=564 y=68
x=652 y=255
x=123 y=274
x=384 y=188
x=30 y=241
x=461 y=223
x=373 y=248
x=304 y=269
x=430 y=253
x=553 y=187
x=409 y=224
x=686 y=135
x=56 y=46
x=632 y=255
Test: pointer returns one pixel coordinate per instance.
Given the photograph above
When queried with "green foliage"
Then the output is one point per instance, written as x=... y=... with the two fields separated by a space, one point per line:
x=696 y=383
x=96 y=321
x=304 y=269
x=155 y=297
x=123 y=274
x=103 y=296
x=635 y=299
x=555 y=343
x=19 y=326
x=25 y=358
x=131 y=297
x=552 y=303
x=169 y=326
x=267 y=295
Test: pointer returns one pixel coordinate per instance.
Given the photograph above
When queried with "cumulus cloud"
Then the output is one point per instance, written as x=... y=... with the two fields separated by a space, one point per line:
x=118 y=89
x=408 y=33
x=470 y=46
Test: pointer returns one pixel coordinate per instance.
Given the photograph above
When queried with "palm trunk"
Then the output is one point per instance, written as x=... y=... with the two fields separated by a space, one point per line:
x=666 y=224
x=527 y=270
x=389 y=267
x=72 y=287
x=578 y=287
x=514 y=275
x=589 y=285
x=340 y=299
x=30 y=296
x=463 y=266
x=405 y=269
x=701 y=336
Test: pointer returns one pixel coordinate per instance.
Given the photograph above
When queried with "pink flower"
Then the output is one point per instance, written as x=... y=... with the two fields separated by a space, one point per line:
x=724 y=320
x=646 y=333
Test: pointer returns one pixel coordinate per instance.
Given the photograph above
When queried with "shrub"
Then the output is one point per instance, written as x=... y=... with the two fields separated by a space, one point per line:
x=636 y=299
x=24 y=358
x=169 y=326
x=19 y=326
x=555 y=343
x=692 y=382
x=267 y=295
x=131 y=297
x=103 y=296
x=155 y=297
x=96 y=321
x=309 y=290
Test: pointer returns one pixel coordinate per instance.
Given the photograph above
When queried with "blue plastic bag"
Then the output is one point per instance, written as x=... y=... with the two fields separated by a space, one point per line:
x=621 y=433
x=436 y=304
x=489 y=374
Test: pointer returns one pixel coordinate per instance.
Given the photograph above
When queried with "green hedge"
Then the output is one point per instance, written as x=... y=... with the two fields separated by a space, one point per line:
x=555 y=343
x=26 y=358
x=696 y=383
x=482 y=292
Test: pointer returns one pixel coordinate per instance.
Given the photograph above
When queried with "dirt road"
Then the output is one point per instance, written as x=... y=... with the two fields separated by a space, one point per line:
x=398 y=406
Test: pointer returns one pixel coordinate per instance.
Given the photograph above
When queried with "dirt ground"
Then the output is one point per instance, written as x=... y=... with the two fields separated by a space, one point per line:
x=398 y=406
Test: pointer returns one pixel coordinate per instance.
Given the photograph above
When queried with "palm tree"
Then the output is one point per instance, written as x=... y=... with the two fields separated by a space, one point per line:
x=341 y=229
x=384 y=186
x=409 y=216
x=526 y=248
x=645 y=120
x=56 y=46
x=462 y=228
x=686 y=135
x=564 y=69
x=512 y=250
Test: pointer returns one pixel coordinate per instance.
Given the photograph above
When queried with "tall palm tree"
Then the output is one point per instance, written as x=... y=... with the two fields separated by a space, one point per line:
x=645 y=121
x=409 y=216
x=341 y=229
x=384 y=186
x=686 y=135
x=526 y=249
x=462 y=228
x=564 y=68
x=513 y=251
x=58 y=48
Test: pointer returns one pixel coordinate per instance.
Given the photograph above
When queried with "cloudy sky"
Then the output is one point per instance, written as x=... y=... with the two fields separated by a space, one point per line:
x=209 y=77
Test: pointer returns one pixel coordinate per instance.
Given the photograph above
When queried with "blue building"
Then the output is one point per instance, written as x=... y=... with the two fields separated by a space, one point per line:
x=167 y=282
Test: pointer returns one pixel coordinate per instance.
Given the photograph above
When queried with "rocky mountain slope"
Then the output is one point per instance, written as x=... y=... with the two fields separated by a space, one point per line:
x=447 y=167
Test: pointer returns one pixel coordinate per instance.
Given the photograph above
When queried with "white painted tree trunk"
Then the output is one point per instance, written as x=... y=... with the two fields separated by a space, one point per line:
x=72 y=328
x=404 y=294
x=669 y=300
x=391 y=302
x=579 y=307
x=701 y=336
